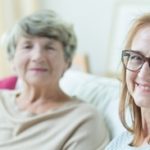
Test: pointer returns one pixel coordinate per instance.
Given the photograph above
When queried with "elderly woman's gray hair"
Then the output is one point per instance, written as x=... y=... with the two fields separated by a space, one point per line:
x=44 y=23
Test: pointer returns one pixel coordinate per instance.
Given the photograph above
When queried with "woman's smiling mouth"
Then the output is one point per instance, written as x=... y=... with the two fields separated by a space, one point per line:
x=143 y=87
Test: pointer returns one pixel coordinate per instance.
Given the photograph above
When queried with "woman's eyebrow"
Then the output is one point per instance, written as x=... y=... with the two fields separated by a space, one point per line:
x=139 y=52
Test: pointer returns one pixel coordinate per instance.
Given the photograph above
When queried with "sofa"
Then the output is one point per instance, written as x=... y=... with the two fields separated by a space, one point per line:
x=101 y=92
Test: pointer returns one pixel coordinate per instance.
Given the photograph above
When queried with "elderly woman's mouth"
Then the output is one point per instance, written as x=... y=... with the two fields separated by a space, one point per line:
x=38 y=69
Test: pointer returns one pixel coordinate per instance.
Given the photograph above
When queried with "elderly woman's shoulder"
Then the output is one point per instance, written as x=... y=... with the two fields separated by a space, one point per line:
x=87 y=110
x=85 y=106
x=91 y=121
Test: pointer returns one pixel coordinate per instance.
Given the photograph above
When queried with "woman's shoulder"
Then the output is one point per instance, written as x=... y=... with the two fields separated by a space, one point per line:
x=89 y=119
x=90 y=114
x=85 y=112
x=120 y=142
x=85 y=107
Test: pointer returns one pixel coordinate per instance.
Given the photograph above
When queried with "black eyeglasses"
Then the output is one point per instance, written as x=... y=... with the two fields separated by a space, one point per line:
x=133 y=60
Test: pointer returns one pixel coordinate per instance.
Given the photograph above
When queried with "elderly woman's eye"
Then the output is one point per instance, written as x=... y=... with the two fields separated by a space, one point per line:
x=50 y=48
x=27 y=46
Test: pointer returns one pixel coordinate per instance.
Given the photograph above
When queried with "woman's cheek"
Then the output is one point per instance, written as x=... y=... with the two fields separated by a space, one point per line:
x=130 y=80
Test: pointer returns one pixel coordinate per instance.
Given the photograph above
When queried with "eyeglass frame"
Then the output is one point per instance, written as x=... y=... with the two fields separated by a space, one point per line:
x=145 y=59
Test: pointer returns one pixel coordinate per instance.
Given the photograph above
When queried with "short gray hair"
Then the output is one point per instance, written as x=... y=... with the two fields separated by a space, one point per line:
x=44 y=23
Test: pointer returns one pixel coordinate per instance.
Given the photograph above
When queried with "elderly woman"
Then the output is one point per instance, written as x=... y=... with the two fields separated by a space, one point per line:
x=136 y=88
x=41 y=116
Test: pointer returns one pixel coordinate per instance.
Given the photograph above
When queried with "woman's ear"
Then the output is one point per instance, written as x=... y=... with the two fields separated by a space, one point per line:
x=66 y=67
x=69 y=64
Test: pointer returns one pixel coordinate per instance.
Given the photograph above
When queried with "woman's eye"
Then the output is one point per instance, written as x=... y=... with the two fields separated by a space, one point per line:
x=135 y=57
x=50 y=48
x=27 y=46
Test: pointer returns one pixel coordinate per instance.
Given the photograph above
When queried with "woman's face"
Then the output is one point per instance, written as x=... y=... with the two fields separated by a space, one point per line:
x=40 y=60
x=139 y=82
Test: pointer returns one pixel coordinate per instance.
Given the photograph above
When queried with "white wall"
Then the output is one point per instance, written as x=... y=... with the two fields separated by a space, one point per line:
x=92 y=20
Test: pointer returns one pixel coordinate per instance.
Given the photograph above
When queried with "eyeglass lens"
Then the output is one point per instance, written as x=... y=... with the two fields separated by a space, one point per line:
x=133 y=61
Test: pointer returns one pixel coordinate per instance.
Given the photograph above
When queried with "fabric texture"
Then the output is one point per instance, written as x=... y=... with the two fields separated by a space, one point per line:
x=8 y=82
x=74 y=126
x=122 y=143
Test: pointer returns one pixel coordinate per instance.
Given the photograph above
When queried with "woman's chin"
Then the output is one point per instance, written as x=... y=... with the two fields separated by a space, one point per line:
x=142 y=101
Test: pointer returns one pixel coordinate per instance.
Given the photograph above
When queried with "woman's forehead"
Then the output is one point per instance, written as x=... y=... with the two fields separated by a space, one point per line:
x=37 y=38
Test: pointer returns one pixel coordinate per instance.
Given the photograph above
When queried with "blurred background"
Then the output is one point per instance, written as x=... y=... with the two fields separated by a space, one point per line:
x=101 y=27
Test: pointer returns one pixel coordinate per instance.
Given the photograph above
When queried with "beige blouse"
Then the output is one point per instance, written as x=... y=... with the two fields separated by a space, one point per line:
x=74 y=126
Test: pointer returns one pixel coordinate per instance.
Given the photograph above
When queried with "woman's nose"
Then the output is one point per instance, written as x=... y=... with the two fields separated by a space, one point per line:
x=145 y=71
x=38 y=54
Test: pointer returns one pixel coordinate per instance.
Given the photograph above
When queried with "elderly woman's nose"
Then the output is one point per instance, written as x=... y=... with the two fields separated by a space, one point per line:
x=38 y=54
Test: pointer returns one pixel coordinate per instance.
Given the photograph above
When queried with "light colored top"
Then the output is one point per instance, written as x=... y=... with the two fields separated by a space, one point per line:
x=122 y=143
x=74 y=126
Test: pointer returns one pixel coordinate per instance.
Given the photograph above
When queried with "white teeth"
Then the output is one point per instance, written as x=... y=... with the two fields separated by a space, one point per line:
x=144 y=87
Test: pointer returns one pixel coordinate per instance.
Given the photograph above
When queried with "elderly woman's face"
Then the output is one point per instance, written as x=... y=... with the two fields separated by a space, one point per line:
x=39 y=60
x=138 y=82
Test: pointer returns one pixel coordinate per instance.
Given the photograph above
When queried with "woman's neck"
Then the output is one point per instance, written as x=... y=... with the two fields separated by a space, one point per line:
x=37 y=100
